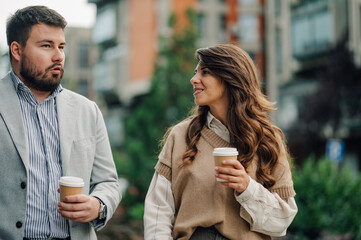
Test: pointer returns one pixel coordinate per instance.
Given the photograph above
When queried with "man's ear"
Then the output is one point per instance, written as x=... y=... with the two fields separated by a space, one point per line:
x=16 y=49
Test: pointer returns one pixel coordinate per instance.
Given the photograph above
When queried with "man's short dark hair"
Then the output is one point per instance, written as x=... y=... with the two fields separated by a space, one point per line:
x=19 y=24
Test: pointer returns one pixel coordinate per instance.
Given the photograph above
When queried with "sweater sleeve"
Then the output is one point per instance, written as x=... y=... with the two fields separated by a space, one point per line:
x=283 y=175
x=164 y=164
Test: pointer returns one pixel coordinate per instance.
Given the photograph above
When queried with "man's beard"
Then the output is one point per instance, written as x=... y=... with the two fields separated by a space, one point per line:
x=39 y=80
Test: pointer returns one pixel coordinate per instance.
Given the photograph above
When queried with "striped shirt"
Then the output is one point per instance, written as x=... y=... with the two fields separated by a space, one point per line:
x=41 y=125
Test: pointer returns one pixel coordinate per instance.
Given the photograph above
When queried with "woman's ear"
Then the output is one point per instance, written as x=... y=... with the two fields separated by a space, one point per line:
x=16 y=49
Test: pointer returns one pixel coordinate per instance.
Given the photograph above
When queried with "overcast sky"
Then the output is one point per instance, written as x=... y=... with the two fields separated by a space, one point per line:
x=78 y=13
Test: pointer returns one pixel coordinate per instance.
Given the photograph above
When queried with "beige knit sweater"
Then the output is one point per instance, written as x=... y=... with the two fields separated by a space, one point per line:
x=200 y=201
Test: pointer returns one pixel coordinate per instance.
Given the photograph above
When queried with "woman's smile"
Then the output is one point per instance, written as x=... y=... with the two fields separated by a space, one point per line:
x=197 y=91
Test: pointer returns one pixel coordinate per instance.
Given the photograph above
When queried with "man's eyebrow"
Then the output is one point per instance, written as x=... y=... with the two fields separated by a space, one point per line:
x=49 y=41
x=46 y=41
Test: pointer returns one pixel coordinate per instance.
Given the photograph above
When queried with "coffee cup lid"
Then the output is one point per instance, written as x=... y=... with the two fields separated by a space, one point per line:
x=225 y=151
x=71 y=181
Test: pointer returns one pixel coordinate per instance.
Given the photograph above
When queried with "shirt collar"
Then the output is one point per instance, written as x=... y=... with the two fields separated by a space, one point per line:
x=18 y=84
x=212 y=120
x=217 y=126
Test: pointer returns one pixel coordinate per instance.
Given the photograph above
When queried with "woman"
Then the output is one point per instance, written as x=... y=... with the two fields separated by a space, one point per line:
x=184 y=200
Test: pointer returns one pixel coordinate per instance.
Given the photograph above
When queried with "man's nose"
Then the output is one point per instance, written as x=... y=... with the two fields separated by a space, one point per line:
x=59 y=55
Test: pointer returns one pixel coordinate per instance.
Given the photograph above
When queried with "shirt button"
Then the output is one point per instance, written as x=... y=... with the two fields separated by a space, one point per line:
x=23 y=185
x=19 y=224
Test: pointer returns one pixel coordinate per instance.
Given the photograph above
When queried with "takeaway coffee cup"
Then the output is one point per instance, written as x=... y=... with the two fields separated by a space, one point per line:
x=225 y=153
x=70 y=186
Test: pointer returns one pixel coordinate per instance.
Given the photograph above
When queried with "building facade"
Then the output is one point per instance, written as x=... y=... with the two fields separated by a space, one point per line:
x=127 y=32
x=301 y=37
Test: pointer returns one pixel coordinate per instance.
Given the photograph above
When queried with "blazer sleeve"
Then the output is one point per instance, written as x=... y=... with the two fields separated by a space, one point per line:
x=104 y=180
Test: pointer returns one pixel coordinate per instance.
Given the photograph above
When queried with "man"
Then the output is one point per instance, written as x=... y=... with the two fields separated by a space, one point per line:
x=47 y=132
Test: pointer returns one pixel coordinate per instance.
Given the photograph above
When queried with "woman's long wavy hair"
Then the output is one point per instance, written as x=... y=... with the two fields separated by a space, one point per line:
x=247 y=117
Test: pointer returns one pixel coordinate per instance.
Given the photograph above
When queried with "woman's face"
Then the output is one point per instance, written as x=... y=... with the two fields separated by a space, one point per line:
x=208 y=89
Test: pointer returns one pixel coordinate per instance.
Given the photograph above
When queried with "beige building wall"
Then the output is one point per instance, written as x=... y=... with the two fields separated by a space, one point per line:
x=80 y=55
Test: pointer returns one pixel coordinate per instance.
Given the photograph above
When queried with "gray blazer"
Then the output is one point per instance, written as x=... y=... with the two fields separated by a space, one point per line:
x=85 y=153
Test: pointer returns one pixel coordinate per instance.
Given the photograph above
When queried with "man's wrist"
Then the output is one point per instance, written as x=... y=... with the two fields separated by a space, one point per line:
x=102 y=212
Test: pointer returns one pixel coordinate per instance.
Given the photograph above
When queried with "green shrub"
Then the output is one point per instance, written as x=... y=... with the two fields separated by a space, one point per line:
x=137 y=211
x=328 y=200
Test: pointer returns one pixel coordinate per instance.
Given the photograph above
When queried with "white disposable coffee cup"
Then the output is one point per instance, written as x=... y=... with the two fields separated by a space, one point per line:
x=224 y=153
x=70 y=186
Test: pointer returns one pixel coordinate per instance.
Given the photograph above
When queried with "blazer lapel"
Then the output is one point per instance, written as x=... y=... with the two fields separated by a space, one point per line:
x=10 y=110
x=67 y=112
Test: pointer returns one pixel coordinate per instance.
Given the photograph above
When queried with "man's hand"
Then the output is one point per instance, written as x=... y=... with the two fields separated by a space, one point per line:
x=80 y=208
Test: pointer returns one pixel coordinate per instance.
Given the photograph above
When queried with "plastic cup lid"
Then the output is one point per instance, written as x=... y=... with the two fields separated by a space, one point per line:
x=225 y=151
x=71 y=181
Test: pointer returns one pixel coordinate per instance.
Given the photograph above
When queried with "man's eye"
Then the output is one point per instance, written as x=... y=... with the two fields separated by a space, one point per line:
x=46 y=46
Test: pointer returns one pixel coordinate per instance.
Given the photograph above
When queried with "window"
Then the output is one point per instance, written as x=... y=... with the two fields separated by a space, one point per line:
x=222 y=27
x=82 y=87
x=300 y=34
x=278 y=8
x=323 y=32
x=312 y=32
x=288 y=111
x=248 y=27
x=360 y=20
x=105 y=25
x=83 y=55
x=279 y=57
x=201 y=24
x=247 y=2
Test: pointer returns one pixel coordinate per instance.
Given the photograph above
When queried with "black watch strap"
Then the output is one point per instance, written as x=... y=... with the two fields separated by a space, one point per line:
x=102 y=209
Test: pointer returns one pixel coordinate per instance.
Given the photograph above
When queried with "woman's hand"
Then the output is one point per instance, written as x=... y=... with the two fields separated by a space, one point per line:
x=236 y=177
